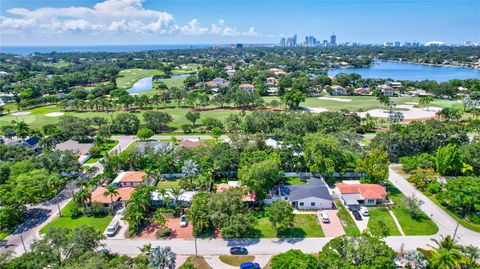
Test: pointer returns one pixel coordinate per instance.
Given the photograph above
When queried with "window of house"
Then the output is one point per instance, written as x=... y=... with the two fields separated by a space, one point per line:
x=312 y=203
x=371 y=201
x=301 y=203
x=286 y=198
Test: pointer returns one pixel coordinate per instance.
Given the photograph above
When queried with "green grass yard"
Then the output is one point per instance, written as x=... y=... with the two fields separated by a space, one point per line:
x=304 y=226
x=168 y=184
x=347 y=221
x=106 y=147
x=126 y=78
x=422 y=225
x=382 y=214
x=295 y=181
x=66 y=221
x=197 y=263
x=3 y=235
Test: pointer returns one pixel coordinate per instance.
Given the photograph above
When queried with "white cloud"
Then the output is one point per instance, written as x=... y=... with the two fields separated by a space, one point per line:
x=109 y=16
x=193 y=28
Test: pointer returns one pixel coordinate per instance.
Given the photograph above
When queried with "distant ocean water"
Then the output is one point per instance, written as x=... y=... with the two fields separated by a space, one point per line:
x=26 y=50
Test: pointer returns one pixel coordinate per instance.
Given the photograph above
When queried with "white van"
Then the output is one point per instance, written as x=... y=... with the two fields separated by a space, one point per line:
x=112 y=228
x=364 y=211
x=324 y=217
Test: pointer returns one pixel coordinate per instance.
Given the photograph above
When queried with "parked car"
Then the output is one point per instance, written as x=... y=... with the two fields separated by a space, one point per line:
x=357 y=215
x=112 y=228
x=238 y=251
x=249 y=265
x=364 y=211
x=183 y=221
x=324 y=217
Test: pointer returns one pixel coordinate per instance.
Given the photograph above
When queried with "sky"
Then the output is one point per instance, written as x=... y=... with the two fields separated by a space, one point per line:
x=130 y=22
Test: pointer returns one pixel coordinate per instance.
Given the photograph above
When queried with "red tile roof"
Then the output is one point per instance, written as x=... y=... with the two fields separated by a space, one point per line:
x=123 y=195
x=368 y=191
x=133 y=177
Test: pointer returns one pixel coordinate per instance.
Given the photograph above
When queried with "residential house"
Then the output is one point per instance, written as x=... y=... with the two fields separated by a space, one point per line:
x=420 y=93
x=247 y=87
x=313 y=195
x=277 y=71
x=121 y=198
x=185 y=197
x=355 y=194
x=386 y=90
x=271 y=81
x=156 y=146
x=32 y=142
x=130 y=179
x=217 y=83
x=187 y=143
x=338 y=90
x=249 y=197
x=396 y=85
x=81 y=149
x=363 y=91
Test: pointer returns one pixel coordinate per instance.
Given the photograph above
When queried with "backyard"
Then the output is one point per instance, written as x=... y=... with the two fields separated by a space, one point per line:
x=105 y=148
x=67 y=221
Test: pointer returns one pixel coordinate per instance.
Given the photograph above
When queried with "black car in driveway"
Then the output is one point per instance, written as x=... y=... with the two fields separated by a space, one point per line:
x=238 y=251
x=357 y=215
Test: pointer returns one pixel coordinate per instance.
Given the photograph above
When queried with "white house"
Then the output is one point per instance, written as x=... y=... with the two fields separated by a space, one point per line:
x=313 y=195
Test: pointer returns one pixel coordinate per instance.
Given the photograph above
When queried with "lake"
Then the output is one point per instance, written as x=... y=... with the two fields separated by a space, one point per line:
x=406 y=71
x=143 y=85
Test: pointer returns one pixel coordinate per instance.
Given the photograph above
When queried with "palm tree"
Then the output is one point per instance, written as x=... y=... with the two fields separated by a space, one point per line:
x=162 y=258
x=445 y=243
x=472 y=254
x=112 y=191
x=426 y=100
x=146 y=249
x=82 y=197
x=446 y=259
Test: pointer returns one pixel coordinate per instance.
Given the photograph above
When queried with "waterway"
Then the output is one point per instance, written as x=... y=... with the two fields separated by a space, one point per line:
x=408 y=71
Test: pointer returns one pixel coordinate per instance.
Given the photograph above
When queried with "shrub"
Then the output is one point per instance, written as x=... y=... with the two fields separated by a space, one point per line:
x=75 y=212
x=163 y=233
x=96 y=210
x=95 y=152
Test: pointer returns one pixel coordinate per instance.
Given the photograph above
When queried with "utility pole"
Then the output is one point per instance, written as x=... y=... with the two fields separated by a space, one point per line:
x=455 y=233
x=196 y=252
x=59 y=211
x=23 y=243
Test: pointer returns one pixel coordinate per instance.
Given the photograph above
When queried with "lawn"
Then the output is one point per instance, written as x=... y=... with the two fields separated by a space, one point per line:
x=126 y=78
x=295 y=181
x=66 y=221
x=236 y=260
x=422 y=225
x=167 y=184
x=348 y=223
x=197 y=262
x=3 y=235
x=382 y=214
x=170 y=82
x=37 y=121
x=106 y=147
x=365 y=103
x=304 y=226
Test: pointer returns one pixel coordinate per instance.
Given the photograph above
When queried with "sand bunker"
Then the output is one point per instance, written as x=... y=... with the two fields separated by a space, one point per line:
x=316 y=109
x=410 y=114
x=21 y=113
x=54 y=114
x=411 y=103
x=335 y=99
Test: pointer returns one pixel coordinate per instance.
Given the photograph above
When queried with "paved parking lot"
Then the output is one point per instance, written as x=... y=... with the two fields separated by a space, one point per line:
x=334 y=228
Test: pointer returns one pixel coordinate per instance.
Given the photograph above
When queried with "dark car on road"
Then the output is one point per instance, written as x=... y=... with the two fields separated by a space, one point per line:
x=238 y=251
x=357 y=215
x=250 y=265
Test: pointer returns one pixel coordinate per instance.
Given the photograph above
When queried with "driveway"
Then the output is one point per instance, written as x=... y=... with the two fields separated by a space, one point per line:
x=174 y=224
x=361 y=224
x=122 y=230
x=335 y=227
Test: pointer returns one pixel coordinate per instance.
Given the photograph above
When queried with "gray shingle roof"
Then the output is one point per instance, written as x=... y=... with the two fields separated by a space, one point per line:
x=315 y=188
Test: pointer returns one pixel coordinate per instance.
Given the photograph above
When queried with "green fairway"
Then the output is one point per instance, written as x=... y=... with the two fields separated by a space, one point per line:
x=422 y=225
x=304 y=226
x=66 y=221
x=126 y=78
x=347 y=221
x=3 y=235
x=382 y=214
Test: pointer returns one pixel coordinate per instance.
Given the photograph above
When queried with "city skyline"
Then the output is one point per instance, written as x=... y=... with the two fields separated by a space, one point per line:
x=116 y=22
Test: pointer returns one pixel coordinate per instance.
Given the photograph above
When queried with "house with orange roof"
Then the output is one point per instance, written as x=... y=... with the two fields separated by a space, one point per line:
x=247 y=87
x=249 y=197
x=122 y=197
x=130 y=179
x=355 y=194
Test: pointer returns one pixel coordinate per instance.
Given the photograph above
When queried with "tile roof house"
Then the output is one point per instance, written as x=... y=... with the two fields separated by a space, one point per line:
x=272 y=81
x=250 y=197
x=356 y=194
x=122 y=197
x=386 y=90
x=130 y=179
x=338 y=90
x=185 y=197
x=313 y=195
x=217 y=82
x=247 y=87
x=363 y=91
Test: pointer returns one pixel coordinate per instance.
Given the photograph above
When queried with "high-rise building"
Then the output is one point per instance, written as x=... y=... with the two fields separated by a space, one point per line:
x=294 y=40
x=325 y=43
x=282 y=42
x=310 y=41
x=397 y=43
x=333 y=39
